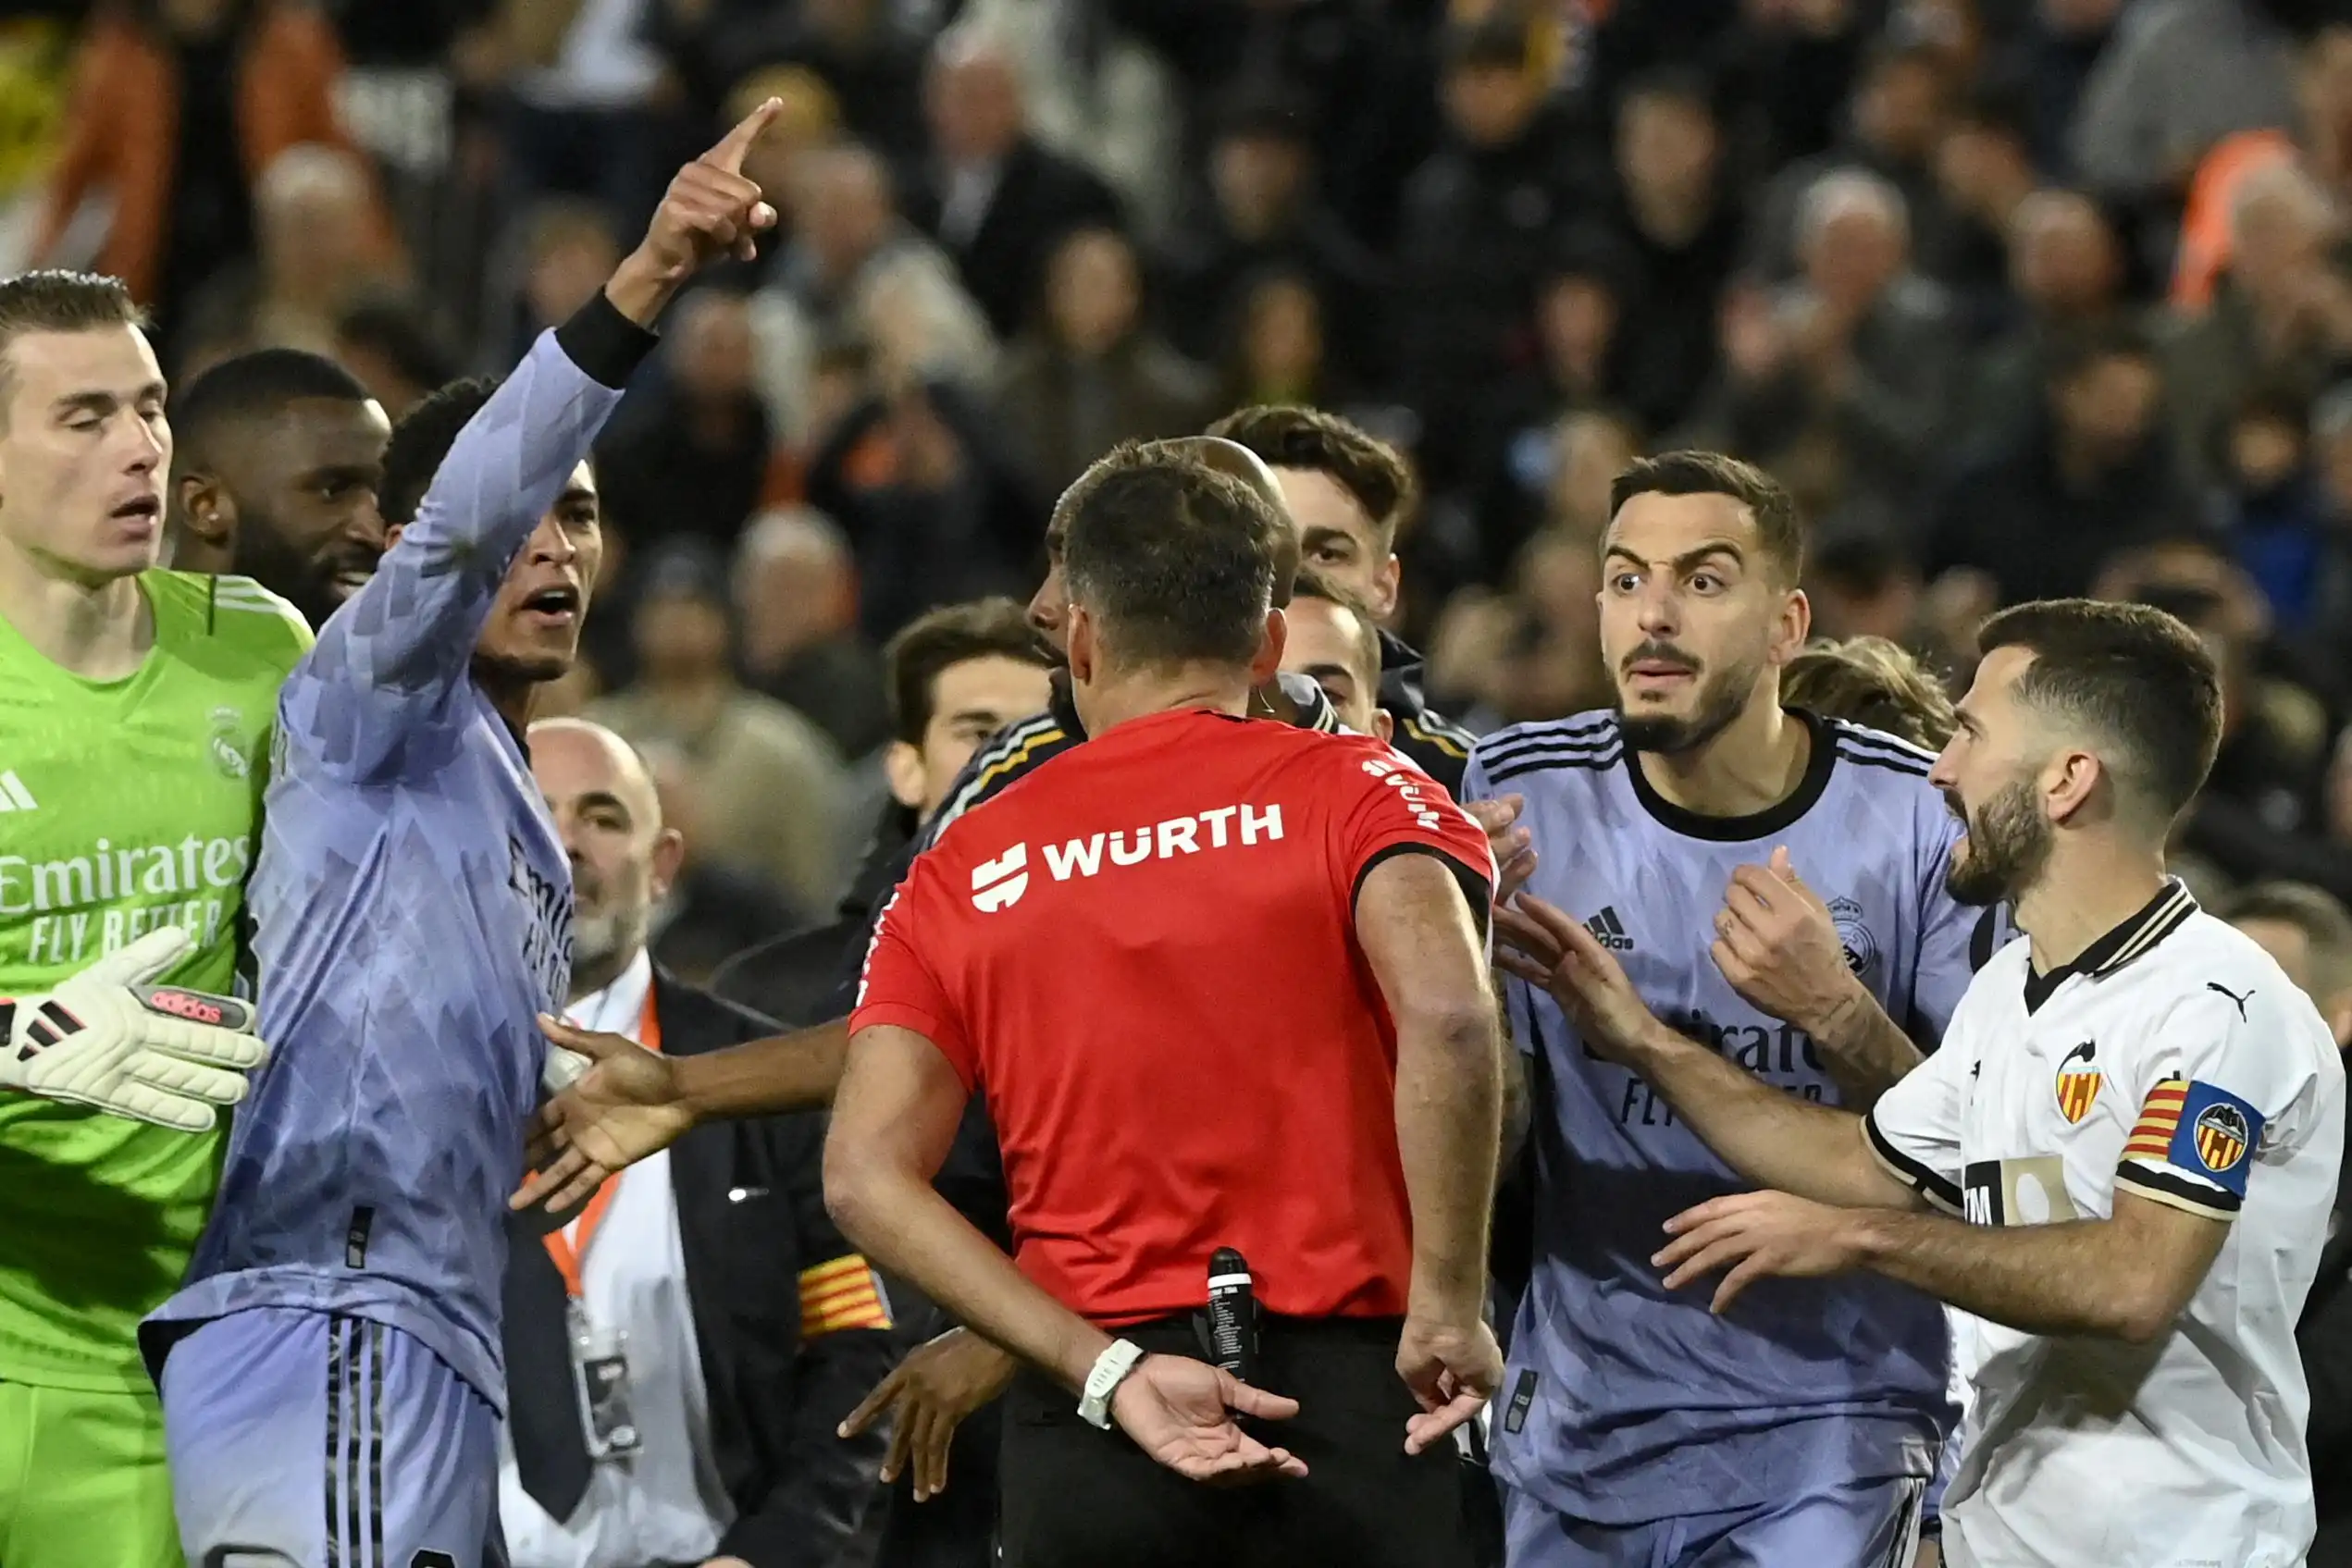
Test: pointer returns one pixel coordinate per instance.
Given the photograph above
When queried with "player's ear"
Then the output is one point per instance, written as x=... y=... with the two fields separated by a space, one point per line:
x=669 y=854
x=1083 y=651
x=902 y=766
x=1384 y=725
x=207 y=511
x=1796 y=624
x=1386 y=585
x=1268 y=660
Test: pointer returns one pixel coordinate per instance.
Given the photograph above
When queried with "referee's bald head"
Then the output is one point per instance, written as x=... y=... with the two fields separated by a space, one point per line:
x=1177 y=550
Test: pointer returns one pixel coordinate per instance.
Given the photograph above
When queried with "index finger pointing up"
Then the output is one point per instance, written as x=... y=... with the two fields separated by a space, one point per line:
x=728 y=153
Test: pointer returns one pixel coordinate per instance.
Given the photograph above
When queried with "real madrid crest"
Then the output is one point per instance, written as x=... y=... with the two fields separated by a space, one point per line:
x=226 y=747
x=1862 y=948
x=2078 y=1082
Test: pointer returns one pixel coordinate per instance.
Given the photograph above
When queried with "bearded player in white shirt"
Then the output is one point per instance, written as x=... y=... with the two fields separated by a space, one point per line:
x=2134 y=1122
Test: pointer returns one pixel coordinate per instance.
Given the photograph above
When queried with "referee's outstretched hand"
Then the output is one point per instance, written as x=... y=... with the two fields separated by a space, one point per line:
x=1180 y=1412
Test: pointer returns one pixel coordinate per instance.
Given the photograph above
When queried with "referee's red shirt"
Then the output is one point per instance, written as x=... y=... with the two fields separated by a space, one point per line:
x=1143 y=954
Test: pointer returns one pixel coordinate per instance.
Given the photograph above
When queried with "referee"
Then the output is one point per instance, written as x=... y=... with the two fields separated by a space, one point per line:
x=1221 y=982
x=2132 y=1130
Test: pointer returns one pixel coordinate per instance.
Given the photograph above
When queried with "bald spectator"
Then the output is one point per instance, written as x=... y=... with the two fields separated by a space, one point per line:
x=795 y=594
x=2066 y=274
x=319 y=243
x=1094 y=374
x=996 y=198
x=693 y=454
x=1901 y=106
x=769 y=781
x=1845 y=378
x=852 y=254
x=2281 y=320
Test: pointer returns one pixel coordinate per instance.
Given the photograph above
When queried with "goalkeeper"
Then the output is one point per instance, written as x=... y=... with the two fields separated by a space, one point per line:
x=135 y=714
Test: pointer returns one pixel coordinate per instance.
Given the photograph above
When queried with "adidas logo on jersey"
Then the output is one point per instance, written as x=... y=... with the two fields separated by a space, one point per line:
x=14 y=797
x=1609 y=931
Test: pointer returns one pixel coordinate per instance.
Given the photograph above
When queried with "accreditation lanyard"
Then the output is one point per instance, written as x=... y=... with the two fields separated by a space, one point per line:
x=569 y=1246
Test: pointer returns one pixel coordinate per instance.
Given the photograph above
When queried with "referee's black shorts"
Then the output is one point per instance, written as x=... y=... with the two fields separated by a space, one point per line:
x=1077 y=1497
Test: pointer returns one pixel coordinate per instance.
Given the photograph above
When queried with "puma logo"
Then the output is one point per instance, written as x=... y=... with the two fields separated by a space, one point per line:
x=2233 y=996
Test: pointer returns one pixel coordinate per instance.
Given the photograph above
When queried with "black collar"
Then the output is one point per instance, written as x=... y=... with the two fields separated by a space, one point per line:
x=2158 y=919
x=1773 y=819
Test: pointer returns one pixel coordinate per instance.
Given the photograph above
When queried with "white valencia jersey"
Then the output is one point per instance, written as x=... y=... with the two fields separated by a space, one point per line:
x=2172 y=1060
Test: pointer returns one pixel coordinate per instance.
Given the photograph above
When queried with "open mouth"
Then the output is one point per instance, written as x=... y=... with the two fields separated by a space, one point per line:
x=558 y=605
x=140 y=509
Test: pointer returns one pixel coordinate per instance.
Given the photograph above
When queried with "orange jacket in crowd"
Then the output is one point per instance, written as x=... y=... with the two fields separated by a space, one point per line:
x=122 y=127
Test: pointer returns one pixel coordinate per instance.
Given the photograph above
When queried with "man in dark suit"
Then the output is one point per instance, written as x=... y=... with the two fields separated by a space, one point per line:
x=680 y=1355
x=997 y=201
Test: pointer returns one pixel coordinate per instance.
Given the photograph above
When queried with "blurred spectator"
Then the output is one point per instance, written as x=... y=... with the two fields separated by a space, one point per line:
x=1678 y=218
x=1786 y=70
x=1846 y=377
x=1264 y=212
x=692 y=455
x=769 y=782
x=1589 y=450
x=933 y=504
x=387 y=341
x=997 y=200
x=2092 y=474
x=586 y=110
x=796 y=595
x=2281 y=523
x=1474 y=236
x=179 y=107
x=1279 y=354
x=2321 y=139
x=2046 y=61
x=1533 y=653
x=2315 y=574
x=856 y=271
x=714 y=908
x=2066 y=274
x=319 y=243
x=1899 y=110
x=862 y=50
x=1985 y=169
x=1864 y=584
x=2281 y=320
x=2178 y=76
x=1095 y=375
x=1096 y=96
x=2261 y=815
x=2309 y=932
x=570 y=248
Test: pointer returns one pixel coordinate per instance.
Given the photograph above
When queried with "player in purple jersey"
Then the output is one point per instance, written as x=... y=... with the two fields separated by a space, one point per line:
x=330 y=1373
x=1773 y=881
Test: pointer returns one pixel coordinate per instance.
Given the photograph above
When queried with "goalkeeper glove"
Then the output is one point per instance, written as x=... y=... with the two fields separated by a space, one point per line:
x=111 y=1038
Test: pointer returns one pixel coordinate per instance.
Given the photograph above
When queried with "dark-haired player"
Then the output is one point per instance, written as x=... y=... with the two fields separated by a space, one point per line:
x=1350 y=493
x=330 y=1373
x=1773 y=884
x=279 y=458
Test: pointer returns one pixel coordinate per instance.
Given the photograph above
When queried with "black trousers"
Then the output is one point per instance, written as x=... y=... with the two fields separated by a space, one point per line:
x=1077 y=1497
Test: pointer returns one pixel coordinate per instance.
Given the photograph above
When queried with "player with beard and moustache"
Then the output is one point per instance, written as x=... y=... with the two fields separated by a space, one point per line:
x=1634 y=1427
x=2133 y=1131
x=1350 y=492
x=278 y=459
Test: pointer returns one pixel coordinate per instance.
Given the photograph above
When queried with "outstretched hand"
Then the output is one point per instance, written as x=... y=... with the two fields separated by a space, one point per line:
x=1180 y=1412
x=1552 y=950
x=625 y=1106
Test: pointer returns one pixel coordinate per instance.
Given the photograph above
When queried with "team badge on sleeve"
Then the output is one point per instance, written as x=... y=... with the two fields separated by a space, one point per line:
x=2200 y=1130
x=2078 y=1082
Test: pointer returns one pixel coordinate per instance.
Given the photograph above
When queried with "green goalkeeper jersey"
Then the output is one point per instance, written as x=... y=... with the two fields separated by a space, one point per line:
x=124 y=806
